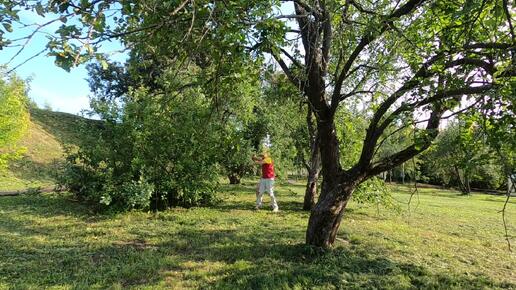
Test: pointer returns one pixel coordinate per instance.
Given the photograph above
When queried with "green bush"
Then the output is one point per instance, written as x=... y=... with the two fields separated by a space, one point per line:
x=129 y=195
x=374 y=191
x=14 y=116
x=151 y=153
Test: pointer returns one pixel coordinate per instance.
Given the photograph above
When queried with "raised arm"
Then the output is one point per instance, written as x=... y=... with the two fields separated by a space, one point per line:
x=257 y=160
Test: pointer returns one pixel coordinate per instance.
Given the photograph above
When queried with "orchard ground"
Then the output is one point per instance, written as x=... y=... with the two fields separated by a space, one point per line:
x=445 y=241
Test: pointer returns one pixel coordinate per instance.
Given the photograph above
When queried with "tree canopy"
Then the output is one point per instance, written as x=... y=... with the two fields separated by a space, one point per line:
x=14 y=116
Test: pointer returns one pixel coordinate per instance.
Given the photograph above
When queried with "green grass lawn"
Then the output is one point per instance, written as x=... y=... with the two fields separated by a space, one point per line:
x=446 y=241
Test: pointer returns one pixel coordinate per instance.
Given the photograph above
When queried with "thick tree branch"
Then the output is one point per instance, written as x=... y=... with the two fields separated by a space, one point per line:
x=489 y=45
x=404 y=155
x=414 y=149
x=372 y=133
x=488 y=67
x=422 y=73
x=295 y=80
x=360 y=8
x=304 y=28
x=423 y=121
x=327 y=37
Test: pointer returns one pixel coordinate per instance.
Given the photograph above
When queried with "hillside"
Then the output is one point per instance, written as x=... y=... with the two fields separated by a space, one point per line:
x=48 y=135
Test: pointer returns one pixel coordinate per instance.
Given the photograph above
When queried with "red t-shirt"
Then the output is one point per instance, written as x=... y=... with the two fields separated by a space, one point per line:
x=267 y=168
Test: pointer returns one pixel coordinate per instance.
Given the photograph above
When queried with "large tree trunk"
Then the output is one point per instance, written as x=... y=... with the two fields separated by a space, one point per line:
x=336 y=190
x=326 y=216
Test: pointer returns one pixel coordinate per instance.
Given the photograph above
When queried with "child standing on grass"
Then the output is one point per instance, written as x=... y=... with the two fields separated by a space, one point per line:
x=266 y=181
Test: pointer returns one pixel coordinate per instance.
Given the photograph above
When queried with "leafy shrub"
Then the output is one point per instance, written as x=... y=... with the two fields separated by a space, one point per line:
x=129 y=195
x=14 y=117
x=93 y=181
x=151 y=153
x=374 y=191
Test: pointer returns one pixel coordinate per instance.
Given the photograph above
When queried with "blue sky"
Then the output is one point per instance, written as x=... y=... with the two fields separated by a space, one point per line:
x=50 y=85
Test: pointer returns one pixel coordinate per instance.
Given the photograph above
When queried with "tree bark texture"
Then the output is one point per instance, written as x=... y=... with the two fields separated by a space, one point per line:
x=311 y=188
x=336 y=190
x=314 y=165
x=326 y=216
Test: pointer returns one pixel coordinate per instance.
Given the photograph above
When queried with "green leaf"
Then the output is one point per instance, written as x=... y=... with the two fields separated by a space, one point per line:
x=104 y=64
x=8 y=27
x=40 y=10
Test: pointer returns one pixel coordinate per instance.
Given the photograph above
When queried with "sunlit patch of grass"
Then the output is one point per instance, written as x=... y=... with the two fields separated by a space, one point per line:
x=445 y=241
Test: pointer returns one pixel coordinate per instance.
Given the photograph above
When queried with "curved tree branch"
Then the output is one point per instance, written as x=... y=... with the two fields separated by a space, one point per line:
x=405 y=9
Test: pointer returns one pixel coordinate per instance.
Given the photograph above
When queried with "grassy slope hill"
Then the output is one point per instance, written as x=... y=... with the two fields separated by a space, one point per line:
x=48 y=134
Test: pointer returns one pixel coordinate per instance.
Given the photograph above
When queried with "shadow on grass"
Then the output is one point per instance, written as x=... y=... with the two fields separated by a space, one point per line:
x=243 y=257
x=284 y=205
x=283 y=194
x=49 y=205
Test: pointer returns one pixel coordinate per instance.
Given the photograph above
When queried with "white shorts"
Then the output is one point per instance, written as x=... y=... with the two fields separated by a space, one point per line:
x=266 y=185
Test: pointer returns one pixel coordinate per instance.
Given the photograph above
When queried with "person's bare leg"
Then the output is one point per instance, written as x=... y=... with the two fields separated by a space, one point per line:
x=258 y=196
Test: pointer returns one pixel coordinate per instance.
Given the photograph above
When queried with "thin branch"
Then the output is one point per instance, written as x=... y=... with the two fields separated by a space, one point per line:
x=157 y=25
x=503 y=217
x=361 y=9
x=27 y=60
x=300 y=3
x=291 y=16
x=29 y=37
x=294 y=61
x=407 y=8
x=508 y=15
x=120 y=34
x=415 y=191
x=345 y=96
x=509 y=190
x=489 y=45
x=355 y=69
x=187 y=34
